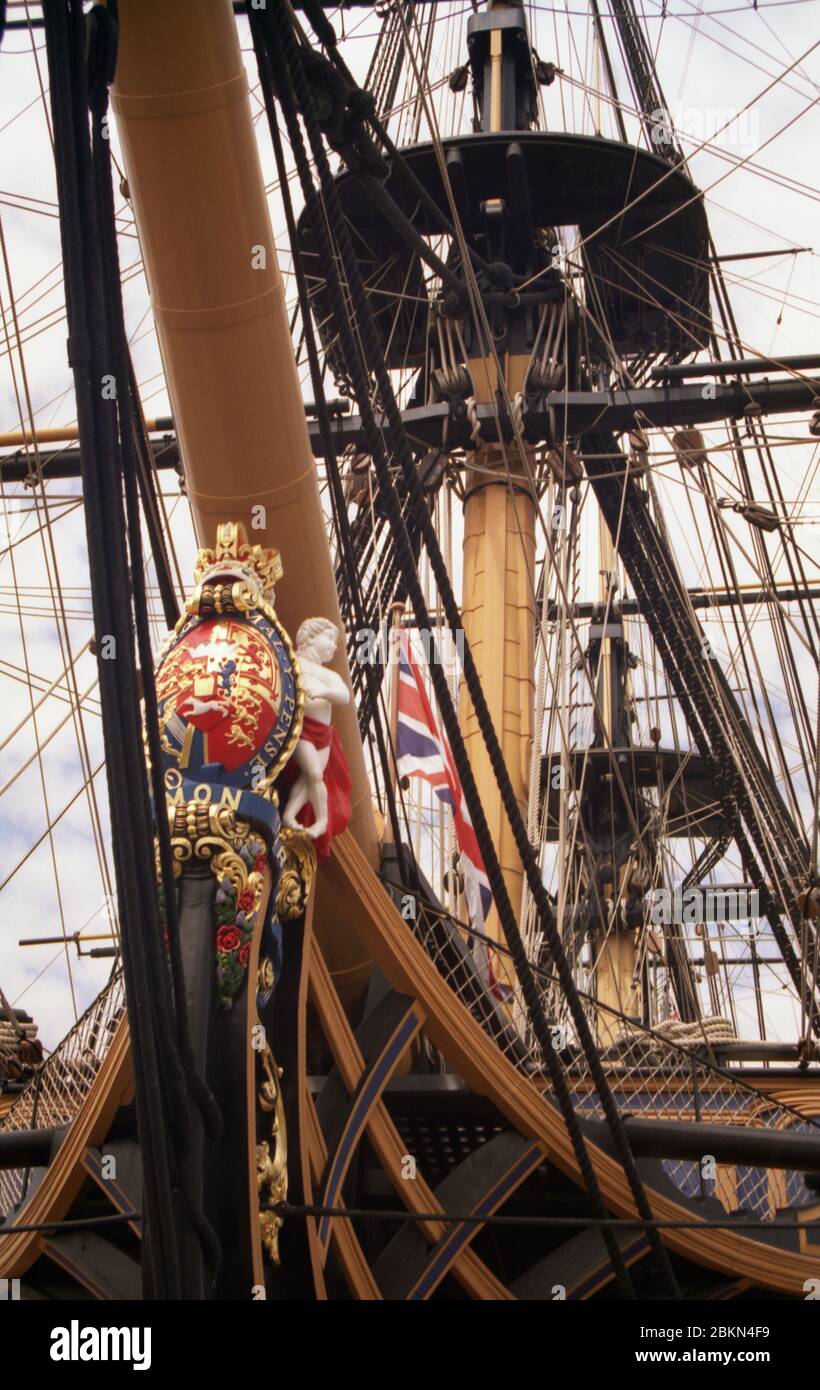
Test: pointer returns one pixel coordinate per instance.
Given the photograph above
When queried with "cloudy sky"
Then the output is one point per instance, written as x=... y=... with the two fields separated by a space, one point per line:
x=759 y=174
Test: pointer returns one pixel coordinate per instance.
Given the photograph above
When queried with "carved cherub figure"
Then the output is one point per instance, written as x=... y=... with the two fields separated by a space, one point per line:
x=316 y=643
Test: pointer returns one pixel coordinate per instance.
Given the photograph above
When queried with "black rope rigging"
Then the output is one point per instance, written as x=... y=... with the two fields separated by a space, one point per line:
x=468 y=1218
x=193 y=1084
x=83 y=1223
x=164 y=1077
x=661 y=599
x=343 y=127
x=293 y=88
x=641 y=69
x=384 y=72
x=658 y=600
x=149 y=488
x=349 y=139
x=537 y=1221
x=610 y=74
x=119 y=476
x=352 y=589
x=651 y=103
x=384 y=587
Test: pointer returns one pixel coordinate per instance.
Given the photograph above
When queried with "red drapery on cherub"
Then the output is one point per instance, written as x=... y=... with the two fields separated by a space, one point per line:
x=337 y=782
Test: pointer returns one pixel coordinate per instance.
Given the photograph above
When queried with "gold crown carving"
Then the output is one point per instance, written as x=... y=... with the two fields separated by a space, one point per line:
x=233 y=548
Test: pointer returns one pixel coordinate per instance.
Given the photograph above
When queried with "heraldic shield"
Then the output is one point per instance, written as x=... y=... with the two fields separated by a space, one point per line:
x=228 y=690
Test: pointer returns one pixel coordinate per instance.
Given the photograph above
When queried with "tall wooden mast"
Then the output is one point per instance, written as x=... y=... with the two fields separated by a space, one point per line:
x=616 y=985
x=498 y=603
x=195 y=180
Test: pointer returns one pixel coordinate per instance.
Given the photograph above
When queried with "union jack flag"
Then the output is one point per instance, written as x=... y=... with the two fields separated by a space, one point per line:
x=423 y=751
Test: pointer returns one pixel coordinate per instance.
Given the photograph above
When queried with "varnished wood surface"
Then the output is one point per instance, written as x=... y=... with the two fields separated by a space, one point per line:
x=472 y=1053
x=417 y=1196
x=53 y=1198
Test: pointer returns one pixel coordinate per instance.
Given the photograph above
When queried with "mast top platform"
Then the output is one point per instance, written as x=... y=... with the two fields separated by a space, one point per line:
x=643 y=223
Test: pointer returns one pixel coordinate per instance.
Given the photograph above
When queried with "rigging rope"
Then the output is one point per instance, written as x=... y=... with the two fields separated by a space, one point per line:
x=681 y=647
x=163 y=1071
x=292 y=83
x=741 y=745
x=347 y=558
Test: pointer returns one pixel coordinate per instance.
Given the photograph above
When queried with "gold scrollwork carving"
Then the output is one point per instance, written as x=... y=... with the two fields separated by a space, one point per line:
x=214 y=835
x=271 y=1154
x=237 y=857
x=298 y=862
x=265 y=975
x=267 y=1095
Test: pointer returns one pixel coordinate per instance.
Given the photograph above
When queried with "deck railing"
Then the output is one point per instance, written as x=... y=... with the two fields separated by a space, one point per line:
x=62 y=1082
x=650 y=1075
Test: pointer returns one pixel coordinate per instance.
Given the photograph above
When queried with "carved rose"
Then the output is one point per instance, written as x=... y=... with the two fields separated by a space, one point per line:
x=244 y=955
x=228 y=938
x=247 y=898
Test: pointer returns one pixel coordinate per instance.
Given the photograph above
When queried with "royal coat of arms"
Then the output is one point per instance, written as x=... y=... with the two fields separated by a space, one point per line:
x=229 y=698
x=230 y=702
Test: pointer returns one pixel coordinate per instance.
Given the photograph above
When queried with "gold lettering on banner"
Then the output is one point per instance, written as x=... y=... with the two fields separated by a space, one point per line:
x=229 y=797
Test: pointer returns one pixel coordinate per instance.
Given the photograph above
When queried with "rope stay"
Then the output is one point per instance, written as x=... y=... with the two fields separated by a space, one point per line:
x=293 y=90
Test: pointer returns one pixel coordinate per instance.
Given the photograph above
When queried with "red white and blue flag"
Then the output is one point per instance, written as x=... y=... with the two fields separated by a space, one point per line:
x=423 y=751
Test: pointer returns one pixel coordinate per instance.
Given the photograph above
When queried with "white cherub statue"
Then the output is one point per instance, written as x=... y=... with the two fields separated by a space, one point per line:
x=316 y=643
